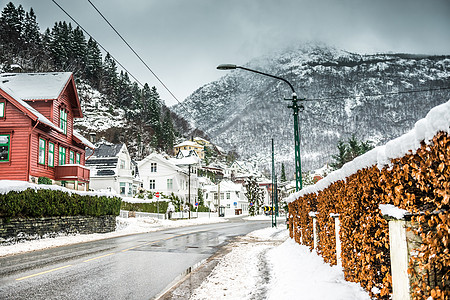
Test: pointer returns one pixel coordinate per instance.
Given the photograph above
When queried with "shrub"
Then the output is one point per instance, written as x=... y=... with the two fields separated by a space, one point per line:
x=51 y=203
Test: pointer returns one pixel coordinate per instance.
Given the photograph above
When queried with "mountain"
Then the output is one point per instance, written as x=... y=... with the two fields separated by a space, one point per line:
x=374 y=97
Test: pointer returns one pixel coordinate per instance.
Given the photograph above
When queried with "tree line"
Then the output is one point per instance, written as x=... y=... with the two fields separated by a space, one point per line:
x=64 y=48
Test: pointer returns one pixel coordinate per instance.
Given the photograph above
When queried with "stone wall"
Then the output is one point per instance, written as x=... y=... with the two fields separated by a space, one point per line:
x=14 y=230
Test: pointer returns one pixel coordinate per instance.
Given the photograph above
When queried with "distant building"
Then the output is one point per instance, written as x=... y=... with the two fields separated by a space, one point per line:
x=167 y=176
x=37 y=137
x=112 y=169
x=189 y=145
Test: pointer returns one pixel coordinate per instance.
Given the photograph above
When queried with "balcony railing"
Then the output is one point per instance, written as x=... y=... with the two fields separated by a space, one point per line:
x=72 y=173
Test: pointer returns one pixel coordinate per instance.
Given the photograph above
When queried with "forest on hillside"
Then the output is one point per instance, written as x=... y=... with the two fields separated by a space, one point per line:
x=63 y=48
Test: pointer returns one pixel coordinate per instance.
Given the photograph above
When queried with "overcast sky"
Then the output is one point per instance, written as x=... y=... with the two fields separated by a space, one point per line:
x=184 y=40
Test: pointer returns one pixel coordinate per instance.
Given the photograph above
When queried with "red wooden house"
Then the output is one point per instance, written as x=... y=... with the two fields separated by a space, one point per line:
x=37 y=138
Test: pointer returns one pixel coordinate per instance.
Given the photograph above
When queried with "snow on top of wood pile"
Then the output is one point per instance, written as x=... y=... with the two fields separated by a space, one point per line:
x=437 y=119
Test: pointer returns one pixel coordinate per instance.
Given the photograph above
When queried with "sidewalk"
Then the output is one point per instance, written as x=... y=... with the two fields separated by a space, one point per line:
x=266 y=264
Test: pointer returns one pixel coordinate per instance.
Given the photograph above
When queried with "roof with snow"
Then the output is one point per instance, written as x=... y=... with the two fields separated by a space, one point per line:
x=41 y=86
x=105 y=149
x=188 y=143
x=36 y=86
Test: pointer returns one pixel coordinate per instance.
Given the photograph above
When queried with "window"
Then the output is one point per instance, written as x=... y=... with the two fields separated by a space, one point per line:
x=78 y=159
x=63 y=120
x=122 y=188
x=4 y=147
x=71 y=157
x=152 y=167
x=42 y=151
x=2 y=110
x=228 y=205
x=122 y=164
x=228 y=196
x=169 y=184
x=51 y=154
x=152 y=184
x=130 y=189
x=222 y=196
x=62 y=156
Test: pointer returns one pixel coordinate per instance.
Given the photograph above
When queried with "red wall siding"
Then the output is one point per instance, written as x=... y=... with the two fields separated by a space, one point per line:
x=42 y=106
x=18 y=125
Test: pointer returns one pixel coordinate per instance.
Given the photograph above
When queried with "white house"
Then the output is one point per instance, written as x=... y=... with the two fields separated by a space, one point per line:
x=112 y=169
x=232 y=197
x=167 y=176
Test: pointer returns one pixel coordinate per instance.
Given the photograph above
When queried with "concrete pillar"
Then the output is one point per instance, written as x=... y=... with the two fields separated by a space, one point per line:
x=399 y=260
x=315 y=233
x=312 y=214
x=337 y=228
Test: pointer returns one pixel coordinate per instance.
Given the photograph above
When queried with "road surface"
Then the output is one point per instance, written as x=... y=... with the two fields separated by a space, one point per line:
x=137 y=266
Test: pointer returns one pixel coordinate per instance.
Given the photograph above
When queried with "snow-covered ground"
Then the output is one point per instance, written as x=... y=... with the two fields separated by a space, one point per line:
x=124 y=226
x=261 y=266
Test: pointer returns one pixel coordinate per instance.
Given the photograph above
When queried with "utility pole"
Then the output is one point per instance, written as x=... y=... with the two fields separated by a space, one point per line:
x=295 y=107
x=218 y=198
x=273 y=186
x=189 y=190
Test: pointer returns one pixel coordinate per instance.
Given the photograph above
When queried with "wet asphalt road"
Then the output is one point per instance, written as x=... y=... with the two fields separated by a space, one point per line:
x=138 y=266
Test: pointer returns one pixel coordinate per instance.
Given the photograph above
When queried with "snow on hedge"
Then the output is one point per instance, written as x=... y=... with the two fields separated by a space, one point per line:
x=437 y=119
x=7 y=186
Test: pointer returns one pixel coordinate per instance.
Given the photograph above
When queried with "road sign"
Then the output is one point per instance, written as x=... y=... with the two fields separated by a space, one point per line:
x=251 y=203
x=196 y=203
x=235 y=203
x=157 y=194
x=267 y=208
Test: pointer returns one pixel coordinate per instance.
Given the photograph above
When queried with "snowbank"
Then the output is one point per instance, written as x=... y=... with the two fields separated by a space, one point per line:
x=299 y=273
x=437 y=119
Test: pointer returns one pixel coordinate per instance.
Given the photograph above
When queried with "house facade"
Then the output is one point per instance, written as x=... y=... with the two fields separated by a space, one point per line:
x=37 y=138
x=167 y=176
x=112 y=169
x=232 y=197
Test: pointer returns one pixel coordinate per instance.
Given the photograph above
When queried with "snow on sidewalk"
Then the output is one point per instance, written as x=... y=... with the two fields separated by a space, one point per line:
x=124 y=226
x=262 y=266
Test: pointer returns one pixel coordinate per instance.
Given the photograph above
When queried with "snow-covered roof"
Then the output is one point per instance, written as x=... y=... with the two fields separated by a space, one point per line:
x=36 y=86
x=30 y=109
x=225 y=186
x=187 y=143
x=82 y=139
x=437 y=119
x=105 y=149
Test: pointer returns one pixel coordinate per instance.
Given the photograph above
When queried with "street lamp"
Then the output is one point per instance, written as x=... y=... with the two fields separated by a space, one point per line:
x=295 y=107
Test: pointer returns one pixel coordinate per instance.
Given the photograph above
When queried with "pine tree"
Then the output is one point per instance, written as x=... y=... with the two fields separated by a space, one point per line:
x=109 y=77
x=93 y=64
x=347 y=151
x=254 y=196
x=168 y=133
x=283 y=173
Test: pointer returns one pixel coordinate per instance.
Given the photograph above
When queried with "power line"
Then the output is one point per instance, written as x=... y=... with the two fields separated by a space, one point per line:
x=131 y=48
x=117 y=61
x=103 y=48
x=377 y=95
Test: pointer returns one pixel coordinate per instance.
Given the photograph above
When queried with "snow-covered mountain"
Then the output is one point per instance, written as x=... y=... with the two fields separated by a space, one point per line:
x=244 y=111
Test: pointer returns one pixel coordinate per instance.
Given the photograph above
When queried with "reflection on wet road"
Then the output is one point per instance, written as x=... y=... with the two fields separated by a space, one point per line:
x=134 y=267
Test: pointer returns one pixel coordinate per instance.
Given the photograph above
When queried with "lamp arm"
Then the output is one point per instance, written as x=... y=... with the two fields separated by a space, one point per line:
x=273 y=76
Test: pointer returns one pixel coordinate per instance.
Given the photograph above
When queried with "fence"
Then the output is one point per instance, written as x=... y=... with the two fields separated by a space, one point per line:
x=346 y=218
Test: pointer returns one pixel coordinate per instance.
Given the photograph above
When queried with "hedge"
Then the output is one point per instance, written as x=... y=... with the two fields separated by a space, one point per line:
x=150 y=207
x=32 y=203
x=418 y=183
